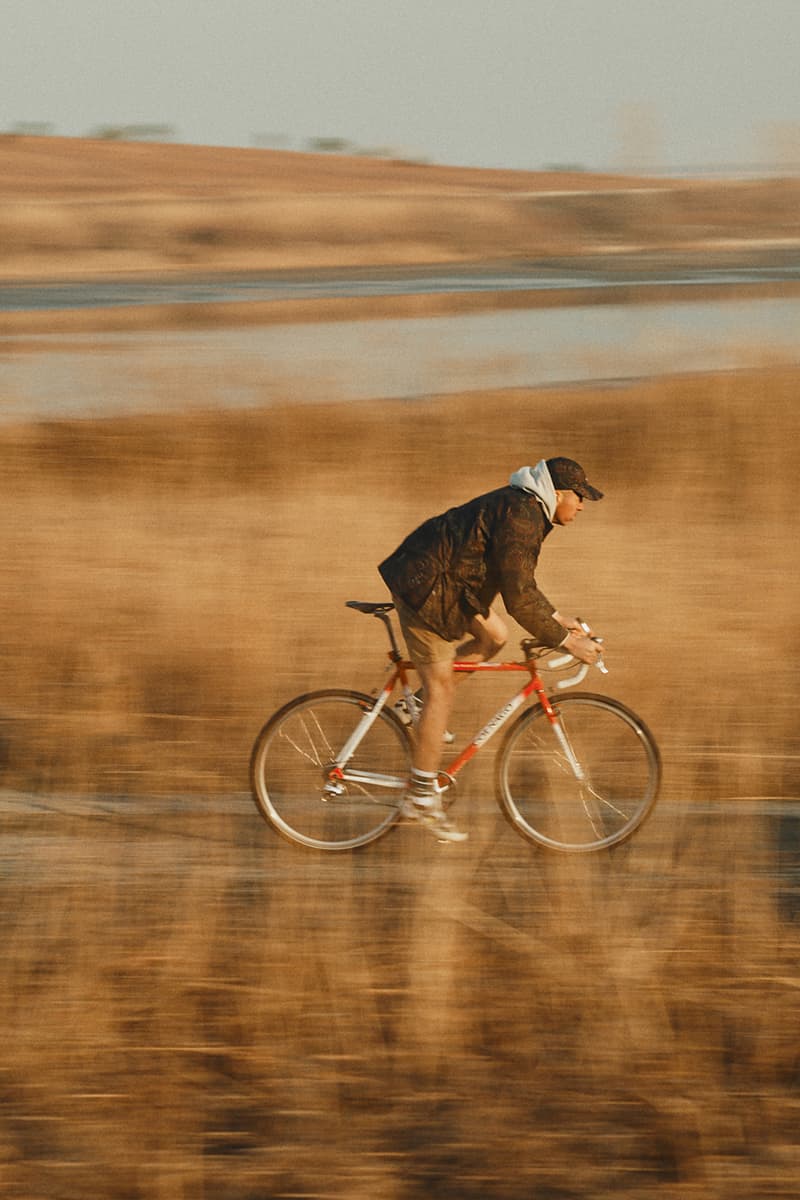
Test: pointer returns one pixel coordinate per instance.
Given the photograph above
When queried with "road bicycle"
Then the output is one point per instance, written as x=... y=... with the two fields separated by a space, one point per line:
x=574 y=773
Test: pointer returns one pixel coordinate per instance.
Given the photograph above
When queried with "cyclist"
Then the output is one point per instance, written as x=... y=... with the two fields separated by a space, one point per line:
x=444 y=577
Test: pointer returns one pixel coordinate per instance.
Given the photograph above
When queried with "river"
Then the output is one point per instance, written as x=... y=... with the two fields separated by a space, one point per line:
x=71 y=375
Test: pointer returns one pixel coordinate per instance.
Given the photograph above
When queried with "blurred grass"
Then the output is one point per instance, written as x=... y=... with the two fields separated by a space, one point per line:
x=189 y=1011
x=77 y=207
x=49 y=237
x=167 y=580
x=190 y=1008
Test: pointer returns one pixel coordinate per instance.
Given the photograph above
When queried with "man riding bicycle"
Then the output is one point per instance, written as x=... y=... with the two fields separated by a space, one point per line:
x=444 y=577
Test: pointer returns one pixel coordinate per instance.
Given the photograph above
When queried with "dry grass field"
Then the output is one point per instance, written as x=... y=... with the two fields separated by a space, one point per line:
x=185 y=571
x=76 y=208
x=193 y=1010
x=56 y=168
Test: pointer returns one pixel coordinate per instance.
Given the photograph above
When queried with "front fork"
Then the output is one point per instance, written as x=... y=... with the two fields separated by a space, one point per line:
x=558 y=729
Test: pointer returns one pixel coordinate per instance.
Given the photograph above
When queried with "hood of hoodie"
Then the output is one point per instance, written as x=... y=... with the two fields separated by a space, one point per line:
x=537 y=481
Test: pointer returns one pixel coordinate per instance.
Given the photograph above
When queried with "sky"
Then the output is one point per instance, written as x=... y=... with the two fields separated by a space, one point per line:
x=598 y=84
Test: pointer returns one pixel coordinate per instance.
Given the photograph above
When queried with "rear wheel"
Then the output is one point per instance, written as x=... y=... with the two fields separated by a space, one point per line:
x=592 y=802
x=297 y=788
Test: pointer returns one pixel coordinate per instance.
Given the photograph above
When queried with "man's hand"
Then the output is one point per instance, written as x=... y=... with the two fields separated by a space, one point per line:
x=574 y=624
x=582 y=647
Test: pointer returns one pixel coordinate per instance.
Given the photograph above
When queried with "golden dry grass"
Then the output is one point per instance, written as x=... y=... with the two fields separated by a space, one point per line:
x=192 y=1009
x=188 y=1014
x=75 y=208
x=189 y=567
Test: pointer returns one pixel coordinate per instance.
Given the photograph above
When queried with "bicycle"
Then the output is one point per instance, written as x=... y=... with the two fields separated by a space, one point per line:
x=574 y=773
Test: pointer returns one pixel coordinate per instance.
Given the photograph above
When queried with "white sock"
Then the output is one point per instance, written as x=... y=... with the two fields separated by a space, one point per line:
x=423 y=787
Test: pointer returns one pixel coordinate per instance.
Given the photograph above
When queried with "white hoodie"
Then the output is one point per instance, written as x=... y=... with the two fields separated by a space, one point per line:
x=537 y=481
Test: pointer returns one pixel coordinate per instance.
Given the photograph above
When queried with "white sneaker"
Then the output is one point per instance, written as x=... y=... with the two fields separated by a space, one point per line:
x=411 y=716
x=433 y=817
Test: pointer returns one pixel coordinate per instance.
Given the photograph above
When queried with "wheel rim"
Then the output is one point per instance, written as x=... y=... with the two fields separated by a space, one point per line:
x=292 y=767
x=545 y=801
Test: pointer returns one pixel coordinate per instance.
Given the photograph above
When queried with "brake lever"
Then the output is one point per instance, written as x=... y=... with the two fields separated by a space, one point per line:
x=587 y=629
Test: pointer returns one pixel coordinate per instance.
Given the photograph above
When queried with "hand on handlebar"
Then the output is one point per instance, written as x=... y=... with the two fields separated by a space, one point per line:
x=574 y=624
x=582 y=646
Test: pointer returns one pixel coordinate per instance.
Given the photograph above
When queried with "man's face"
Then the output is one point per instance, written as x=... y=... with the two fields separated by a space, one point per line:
x=568 y=504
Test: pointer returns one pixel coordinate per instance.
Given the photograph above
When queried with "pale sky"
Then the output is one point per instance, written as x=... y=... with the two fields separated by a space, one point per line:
x=510 y=83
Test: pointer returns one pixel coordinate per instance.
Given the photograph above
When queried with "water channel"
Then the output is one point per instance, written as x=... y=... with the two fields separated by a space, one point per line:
x=106 y=374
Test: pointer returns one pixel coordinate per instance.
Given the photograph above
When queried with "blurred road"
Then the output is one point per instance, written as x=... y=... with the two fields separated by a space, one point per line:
x=75 y=838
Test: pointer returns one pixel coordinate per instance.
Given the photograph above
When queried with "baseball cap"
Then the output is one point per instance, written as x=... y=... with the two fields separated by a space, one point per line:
x=567 y=475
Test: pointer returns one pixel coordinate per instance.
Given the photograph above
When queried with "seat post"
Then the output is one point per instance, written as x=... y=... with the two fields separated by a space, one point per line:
x=395 y=655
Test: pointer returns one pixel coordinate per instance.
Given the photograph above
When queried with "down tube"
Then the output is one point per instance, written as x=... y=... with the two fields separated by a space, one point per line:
x=491 y=727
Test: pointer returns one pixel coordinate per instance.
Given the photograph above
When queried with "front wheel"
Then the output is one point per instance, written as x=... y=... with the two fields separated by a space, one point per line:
x=586 y=790
x=295 y=783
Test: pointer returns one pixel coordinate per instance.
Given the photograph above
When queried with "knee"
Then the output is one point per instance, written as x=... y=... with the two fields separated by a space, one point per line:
x=438 y=683
x=490 y=634
x=496 y=637
x=498 y=641
x=442 y=685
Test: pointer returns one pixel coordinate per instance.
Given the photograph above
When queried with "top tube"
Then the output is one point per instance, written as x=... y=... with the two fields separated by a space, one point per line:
x=529 y=647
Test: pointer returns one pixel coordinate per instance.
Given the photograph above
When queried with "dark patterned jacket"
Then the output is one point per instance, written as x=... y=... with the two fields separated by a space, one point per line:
x=454 y=565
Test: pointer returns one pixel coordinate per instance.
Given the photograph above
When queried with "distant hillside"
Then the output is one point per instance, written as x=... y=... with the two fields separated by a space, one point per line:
x=60 y=168
x=76 y=208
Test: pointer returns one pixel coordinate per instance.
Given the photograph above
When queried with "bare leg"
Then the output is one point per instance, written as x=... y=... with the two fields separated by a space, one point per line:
x=421 y=803
x=488 y=636
x=438 y=683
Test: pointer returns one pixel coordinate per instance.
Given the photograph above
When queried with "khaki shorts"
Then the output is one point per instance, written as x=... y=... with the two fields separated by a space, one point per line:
x=424 y=645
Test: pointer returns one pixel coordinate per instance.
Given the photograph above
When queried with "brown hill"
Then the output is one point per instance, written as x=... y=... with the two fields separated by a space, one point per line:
x=61 y=168
x=77 y=208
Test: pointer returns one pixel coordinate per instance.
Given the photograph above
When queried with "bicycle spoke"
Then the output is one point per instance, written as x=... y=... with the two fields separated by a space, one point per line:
x=296 y=788
x=597 y=830
x=597 y=799
x=314 y=757
x=608 y=804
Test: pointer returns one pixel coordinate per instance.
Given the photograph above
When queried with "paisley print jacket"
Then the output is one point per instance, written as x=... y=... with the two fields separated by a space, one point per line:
x=454 y=565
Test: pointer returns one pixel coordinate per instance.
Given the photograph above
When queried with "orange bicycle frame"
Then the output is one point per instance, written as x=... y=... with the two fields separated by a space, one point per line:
x=399 y=675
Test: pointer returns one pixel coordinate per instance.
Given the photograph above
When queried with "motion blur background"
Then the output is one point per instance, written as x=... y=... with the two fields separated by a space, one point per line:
x=194 y=482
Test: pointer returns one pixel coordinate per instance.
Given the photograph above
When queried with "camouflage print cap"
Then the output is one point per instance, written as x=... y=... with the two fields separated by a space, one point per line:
x=568 y=475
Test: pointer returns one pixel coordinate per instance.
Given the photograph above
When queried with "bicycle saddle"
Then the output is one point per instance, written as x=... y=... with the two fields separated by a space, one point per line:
x=364 y=607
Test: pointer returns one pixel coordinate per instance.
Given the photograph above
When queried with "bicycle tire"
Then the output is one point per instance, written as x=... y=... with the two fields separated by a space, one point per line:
x=537 y=789
x=290 y=762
